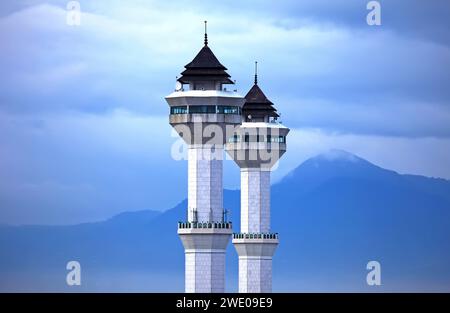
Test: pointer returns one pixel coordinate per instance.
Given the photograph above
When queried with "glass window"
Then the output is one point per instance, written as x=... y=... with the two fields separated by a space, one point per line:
x=178 y=110
x=223 y=109
x=234 y=138
x=279 y=139
x=202 y=109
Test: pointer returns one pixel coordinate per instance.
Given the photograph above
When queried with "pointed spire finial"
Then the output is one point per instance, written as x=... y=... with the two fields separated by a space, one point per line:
x=206 y=33
x=256 y=72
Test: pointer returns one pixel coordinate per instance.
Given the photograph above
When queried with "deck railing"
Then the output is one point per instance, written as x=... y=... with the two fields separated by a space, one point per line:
x=219 y=225
x=255 y=236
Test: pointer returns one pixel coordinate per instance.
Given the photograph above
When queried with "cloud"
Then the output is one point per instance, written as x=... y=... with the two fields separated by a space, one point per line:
x=83 y=122
x=387 y=117
x=127 y=57
x=335 y=154
x=82 y=167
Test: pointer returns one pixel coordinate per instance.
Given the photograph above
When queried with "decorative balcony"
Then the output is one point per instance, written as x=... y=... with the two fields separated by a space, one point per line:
x=205 y=225
x=255 y=236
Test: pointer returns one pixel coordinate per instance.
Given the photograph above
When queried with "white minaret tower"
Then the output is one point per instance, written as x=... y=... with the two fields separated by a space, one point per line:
x=200 y=114
x=256 y=146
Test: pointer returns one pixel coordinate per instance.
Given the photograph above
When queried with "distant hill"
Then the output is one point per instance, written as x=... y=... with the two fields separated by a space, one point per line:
x=335 y=212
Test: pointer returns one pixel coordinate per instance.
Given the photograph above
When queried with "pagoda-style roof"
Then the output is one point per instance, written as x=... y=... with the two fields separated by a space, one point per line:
x=257 y=105
x=205 y=67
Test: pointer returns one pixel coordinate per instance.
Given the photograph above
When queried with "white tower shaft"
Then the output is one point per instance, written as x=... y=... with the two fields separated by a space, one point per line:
x=205 y=271
x=255 y=274
x=205 y=193
x=204 y=258
x=205 y=247
x=256 y=244
x=255 y=200
x=255 y=260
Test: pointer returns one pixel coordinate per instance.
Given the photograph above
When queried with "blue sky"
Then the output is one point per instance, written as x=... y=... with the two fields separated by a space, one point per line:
x=82 y=108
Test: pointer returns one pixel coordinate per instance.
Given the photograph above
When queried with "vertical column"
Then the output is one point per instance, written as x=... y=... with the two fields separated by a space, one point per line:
x=266 y=275
x=205 y=191
x=255 y=200
x=255 y=274
x=189 y=275
x=205 y=247
x=218 y=271
x=205 y=271
x=255 y=254
x=265 y=201
x=205 y=267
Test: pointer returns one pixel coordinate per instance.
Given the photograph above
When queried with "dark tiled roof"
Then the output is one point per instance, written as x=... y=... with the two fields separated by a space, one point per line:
x=257 y=104
x=205 y=66
x=205 y=58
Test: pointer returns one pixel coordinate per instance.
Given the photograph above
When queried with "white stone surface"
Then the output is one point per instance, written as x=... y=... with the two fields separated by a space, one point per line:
x=262 y=125
x=205 y=248
x=205 y=271
x=255 y=256
x=204 y=94
x=255 y=274
x=264 y=248
x=205 y=193
x=205 y=258
x=255 y=201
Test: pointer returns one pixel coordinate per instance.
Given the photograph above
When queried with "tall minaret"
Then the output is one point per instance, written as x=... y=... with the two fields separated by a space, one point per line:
x=200 y=111
x=256 y=146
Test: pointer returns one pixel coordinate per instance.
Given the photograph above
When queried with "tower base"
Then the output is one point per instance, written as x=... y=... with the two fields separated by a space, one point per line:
x=255 y=261
x=205 y=255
